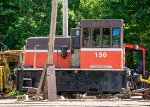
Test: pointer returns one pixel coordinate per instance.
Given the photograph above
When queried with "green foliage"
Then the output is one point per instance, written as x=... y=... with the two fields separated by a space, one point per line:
x=15 y=93
x=20 y=19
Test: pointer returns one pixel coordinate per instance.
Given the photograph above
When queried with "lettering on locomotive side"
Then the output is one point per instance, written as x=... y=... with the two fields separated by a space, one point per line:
x=100 y=54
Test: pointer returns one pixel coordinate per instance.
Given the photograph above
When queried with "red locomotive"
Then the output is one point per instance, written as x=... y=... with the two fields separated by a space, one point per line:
x=91 y=59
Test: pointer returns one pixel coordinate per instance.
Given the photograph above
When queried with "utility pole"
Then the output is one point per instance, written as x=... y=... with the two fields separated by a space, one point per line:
x=50 y=91
x=65 y=18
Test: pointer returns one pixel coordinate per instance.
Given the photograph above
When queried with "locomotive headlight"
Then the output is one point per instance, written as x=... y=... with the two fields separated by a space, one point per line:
x=77 y=32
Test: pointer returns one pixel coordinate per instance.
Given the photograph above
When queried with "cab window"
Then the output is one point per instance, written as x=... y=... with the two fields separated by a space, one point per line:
x=106 y=37
x=116 y=37
x=86 y=37
x=75 y=32
x=96 y=37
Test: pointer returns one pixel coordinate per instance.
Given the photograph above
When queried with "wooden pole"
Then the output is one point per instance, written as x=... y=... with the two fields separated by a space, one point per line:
x=52 y=31
x=65 y=18
x=50 y=91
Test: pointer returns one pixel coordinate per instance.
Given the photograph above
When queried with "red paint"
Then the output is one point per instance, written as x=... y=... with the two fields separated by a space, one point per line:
x=28 y=59
x=132 y=46
x=62 y=62
x=142 y=48
x=41 y=59
x=89 y=58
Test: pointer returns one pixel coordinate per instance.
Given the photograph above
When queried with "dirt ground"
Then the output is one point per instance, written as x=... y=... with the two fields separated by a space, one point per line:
x=77 y=103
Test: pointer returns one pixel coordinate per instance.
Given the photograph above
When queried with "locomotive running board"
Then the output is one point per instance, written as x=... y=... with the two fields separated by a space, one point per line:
x=73 y=69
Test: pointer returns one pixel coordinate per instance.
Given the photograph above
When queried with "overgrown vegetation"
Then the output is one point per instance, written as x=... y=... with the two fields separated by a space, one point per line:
x=15 y=93
x=20 y=19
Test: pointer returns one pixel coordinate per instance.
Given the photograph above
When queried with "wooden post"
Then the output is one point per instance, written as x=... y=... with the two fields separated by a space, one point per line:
x=52 y=31
x=50 y=83
x=65 y=18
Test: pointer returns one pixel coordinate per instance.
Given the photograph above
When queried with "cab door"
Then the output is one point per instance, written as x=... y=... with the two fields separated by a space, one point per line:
x=75 y=47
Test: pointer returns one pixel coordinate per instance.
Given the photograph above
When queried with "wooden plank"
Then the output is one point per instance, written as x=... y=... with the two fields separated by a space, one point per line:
x=11 y=52
x=40 y=83
x=140 y=90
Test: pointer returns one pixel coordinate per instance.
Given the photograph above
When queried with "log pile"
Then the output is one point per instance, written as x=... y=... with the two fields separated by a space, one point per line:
x=126 y=94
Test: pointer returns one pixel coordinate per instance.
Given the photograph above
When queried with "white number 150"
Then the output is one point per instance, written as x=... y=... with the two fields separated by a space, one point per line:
x=101 y=54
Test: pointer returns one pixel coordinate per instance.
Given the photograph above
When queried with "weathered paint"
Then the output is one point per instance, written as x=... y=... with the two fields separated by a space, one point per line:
x=40 y=59
x=101 y=59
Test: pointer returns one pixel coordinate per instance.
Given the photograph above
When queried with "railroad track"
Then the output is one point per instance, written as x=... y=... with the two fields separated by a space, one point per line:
x=78 y=103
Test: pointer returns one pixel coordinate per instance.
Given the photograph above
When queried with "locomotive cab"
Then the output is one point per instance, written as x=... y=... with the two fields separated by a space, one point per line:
x=98 y=44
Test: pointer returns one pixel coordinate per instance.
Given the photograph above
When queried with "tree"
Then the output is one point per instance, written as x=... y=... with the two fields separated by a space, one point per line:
x=21 y=19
